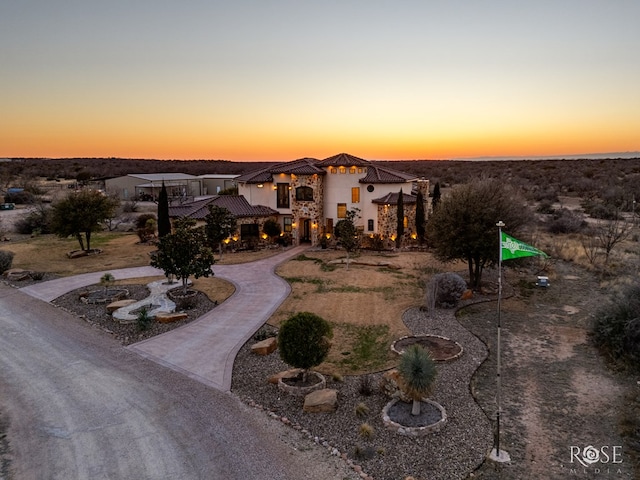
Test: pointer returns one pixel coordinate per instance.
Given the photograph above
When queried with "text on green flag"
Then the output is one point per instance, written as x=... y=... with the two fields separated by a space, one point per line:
x=514 y=248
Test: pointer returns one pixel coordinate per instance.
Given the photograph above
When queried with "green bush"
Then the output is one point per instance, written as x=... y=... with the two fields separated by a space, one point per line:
x=616 y=329
x=141 y=221
x=6 y=260
x=143 y=319
x=303 y=340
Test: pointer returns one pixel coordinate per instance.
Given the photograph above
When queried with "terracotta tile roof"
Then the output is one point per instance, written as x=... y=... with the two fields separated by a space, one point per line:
x=377 y=174
x=236 y=204
x=344 y=160
x=302 y=166
x=310 y=166
x=392 y=199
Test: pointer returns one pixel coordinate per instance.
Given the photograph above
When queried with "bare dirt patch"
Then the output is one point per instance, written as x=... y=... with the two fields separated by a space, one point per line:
x=557 y=391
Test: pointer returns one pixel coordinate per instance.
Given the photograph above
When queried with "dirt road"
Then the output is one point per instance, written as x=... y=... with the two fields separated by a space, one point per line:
x=80 y=406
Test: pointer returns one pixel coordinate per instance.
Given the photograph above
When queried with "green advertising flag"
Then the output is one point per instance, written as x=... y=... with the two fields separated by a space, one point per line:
x=513 y=248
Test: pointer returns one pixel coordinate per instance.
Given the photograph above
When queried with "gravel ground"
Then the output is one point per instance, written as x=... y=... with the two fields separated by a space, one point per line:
x=453 y=452
x=96 y=314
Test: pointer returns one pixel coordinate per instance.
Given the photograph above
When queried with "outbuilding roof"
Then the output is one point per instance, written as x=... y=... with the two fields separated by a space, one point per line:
x=159 y=177
x=236 y=204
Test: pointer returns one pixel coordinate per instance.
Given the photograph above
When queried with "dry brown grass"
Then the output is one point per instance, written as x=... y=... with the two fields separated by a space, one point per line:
x=364 y=303
x=48 y=253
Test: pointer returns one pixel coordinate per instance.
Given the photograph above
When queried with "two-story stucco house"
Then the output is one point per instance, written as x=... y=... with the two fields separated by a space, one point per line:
x=311 y=196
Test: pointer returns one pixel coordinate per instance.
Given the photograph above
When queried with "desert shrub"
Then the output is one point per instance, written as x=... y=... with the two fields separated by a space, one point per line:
x=141 y=221
x=361 y=410
x=143 y=319
x=21 y=197
x=444 y=290
x=418 y=371
x=271 y=228
x=366 y=431
x=6 y=260
x=365 y=386
x=616 y=328
x=566 y=221
x=545 y=207
x=303 y=340
x=263 y=333
x=547 y=195
x=36 y=221
x=597 y=209
x=374 y=242
x=130 y=206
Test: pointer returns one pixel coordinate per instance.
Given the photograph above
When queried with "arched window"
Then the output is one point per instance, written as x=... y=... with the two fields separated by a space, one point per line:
x=304 y=194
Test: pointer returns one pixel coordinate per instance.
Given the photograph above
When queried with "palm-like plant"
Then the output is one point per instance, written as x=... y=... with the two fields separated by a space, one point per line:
x=418 y=370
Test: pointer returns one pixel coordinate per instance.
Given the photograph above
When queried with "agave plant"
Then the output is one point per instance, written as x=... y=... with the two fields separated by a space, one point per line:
x=418 y=370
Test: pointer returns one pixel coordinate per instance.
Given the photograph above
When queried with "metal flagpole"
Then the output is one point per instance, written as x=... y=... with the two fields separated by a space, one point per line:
x=497 y=454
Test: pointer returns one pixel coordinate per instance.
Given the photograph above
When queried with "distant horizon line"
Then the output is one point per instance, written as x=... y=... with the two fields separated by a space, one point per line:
x=586 y=156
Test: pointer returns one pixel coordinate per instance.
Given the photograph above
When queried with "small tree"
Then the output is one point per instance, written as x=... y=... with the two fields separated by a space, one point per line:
x=611 y=233
x=421 y=218
x=164 y=222
x=107 y=280
x=220 y=225
x=400 y=220
x=463 y=227
x=184 y=253
x=347 y=233
x=304 y=341
x=271 y=228
x=418 y=370
x=80 y=214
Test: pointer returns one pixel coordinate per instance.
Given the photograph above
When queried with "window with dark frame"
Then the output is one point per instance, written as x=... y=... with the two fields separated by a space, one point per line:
x=283 y=195
x=304 y=194
x=370 y=225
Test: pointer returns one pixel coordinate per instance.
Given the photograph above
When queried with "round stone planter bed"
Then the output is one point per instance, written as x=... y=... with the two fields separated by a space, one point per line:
x=442 y=349
x=104 y=296
x=396 y=416
x=294 y=385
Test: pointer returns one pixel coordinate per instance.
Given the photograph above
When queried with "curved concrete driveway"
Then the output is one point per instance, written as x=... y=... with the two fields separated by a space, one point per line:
x=205 y=348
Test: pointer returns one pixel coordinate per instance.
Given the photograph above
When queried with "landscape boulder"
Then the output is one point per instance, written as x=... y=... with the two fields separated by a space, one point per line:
x=169 y=317
x=275 y=378
x=392 y=385
x=265 y=347
x=113 y=306
x=321 y=401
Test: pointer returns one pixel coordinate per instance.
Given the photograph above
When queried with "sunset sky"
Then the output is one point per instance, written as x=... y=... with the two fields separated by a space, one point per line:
x=280 y=80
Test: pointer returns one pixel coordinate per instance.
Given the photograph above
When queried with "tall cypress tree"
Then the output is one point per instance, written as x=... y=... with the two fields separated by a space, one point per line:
x=400 y=224
x=435 y=200
x=420 y=217
x=164 y=224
